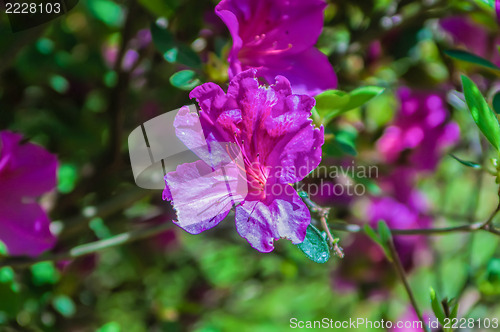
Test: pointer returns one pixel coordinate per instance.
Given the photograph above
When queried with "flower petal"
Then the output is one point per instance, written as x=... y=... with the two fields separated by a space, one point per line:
x=201 y=196
x=309 y=72
x=285 y=216
x=25 y=228
x=27 y=169
x=276 y=23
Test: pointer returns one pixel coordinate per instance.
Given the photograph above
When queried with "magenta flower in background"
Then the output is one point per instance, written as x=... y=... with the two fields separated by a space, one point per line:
x=277 y=37
x=278 y=146
x=473 y=36
x=403 y=207
x=421 y=127
x=409 y=322
x=26 y=172
x=497 y=10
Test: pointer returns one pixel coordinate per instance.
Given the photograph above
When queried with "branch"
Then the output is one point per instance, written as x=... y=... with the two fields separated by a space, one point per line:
x=351 y=228
x=89 y=248
x=323 y=215
x=396 y=262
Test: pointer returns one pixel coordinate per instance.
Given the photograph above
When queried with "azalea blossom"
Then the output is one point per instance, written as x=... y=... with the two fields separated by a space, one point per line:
x=497 y=10
x=26 y=172
x=254 y=142
x=277 y=37
x=474 y=37
x=421 y=128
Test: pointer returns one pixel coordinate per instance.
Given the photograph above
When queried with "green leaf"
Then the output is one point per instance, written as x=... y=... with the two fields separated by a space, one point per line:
x=315 y=246
x=361 y=96
x=67 y=175
x=331 y=100
x=64 y=305
x=496 y=103
x=332 y=103
x=110 y=327
x=107 y=11
x=454 y=311
x=377 y=238
x=384 y=232
x=173 y=51
x=346 y=143
x=3 y=249
x=466 y=163
x=371 y=233
x=184 y=80
x=44 y=273
x=471 y=58
x=436 y=307
x=484 y=117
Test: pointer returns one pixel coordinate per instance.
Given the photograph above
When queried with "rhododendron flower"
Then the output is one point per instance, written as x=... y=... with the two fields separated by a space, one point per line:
x=409 y=322
x=497 y=10
x=277 y=37
x=270 y=130
x=421 y=127
x=26 y=172
x=403 y=207
x=473 y=36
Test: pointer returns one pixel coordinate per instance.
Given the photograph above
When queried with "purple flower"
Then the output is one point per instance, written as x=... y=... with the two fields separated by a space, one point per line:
x=277 y=145
x=277 y=37
x=403 y=207
x=474 y=37
x=421 y=127
x=497 y=10
x=26 y=172
x=409 y=322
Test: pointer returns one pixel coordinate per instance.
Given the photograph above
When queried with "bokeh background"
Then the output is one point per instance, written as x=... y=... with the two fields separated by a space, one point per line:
x=81 y=83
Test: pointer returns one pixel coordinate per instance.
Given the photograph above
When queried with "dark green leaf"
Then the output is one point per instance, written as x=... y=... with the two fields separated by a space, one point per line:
x=436 y=307
x=172 y=51
x=185 y=80
x=315 y=246
x=496 y=103
x=484 y=117
x=471 y=58
x=466 y=163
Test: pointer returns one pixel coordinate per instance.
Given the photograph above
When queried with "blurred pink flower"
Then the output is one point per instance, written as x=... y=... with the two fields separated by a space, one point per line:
x=409 y=321
x=473 y=36
x=277 y=37
x=497 y=10
x=403 y=207
x=26 y=172
x=421 y=128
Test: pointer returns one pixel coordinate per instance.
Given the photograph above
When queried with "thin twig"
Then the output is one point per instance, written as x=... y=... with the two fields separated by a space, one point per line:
x=401 y=273
x=323 y=216
x=89 y=248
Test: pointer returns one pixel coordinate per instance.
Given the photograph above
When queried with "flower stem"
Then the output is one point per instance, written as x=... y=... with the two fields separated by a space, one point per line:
x=89 y=248
x=401 y=274
x=323 y=216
